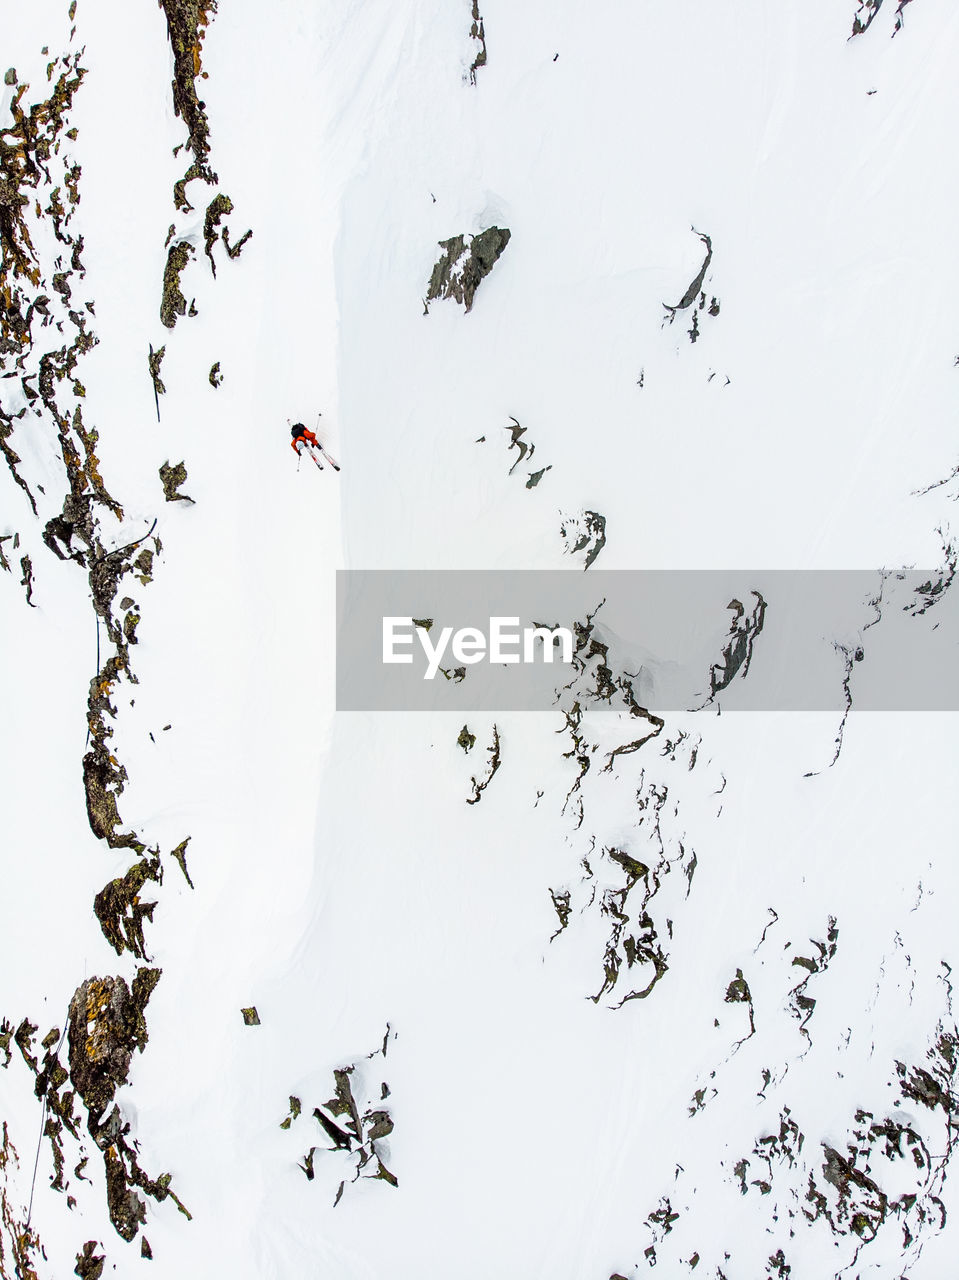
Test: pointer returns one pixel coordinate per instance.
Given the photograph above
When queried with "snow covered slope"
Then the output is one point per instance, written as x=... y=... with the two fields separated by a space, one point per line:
x=289 y=992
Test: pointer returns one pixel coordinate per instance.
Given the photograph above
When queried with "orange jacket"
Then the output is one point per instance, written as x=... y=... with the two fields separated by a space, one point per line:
x=305 y=436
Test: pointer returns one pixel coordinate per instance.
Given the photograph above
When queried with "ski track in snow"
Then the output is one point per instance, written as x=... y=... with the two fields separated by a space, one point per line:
x=602 y=989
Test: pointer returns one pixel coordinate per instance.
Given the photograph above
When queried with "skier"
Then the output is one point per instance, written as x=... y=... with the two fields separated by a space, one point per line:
x=303 y=435
x=305 y=439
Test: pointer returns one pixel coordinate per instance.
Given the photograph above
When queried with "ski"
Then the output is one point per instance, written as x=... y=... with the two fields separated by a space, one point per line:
x=311 y=455
x=329 y=457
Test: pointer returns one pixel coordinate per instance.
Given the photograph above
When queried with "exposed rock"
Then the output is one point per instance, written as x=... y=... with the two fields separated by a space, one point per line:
x=355 y=1121
x=220 y=205
x=234 y=250
x=738 y=993
x=494 y=764
x=39 y=186
x=802 y=1005
x=868 y=10
x=120 y=910
x=106 y=1023
x=26 y=568
x=179 y=853
x=884 y=1178
x=478 y=36
x=187 y=21
x=466 y=262
x=172 y=477
x=294 y=1113
x=4 y=562
x=931 y=591
x=128 y=1210
x=173 y=303
x=738 y=650
x=694 y=292
x=15 y=1231
x=524 y=449
x=696 y=284
x=103 y=782
x=34 y=161
x=89 y=1262
x=561 y=905
x=144 y=562
x=49 y=1078
x=625 y=878
x=584 y=532
x=130 y=624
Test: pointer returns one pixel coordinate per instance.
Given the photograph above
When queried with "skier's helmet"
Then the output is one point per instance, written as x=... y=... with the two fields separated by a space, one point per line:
x=298 y=429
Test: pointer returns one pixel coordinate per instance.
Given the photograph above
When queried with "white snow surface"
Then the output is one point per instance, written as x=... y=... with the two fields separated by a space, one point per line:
x=342 y=884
